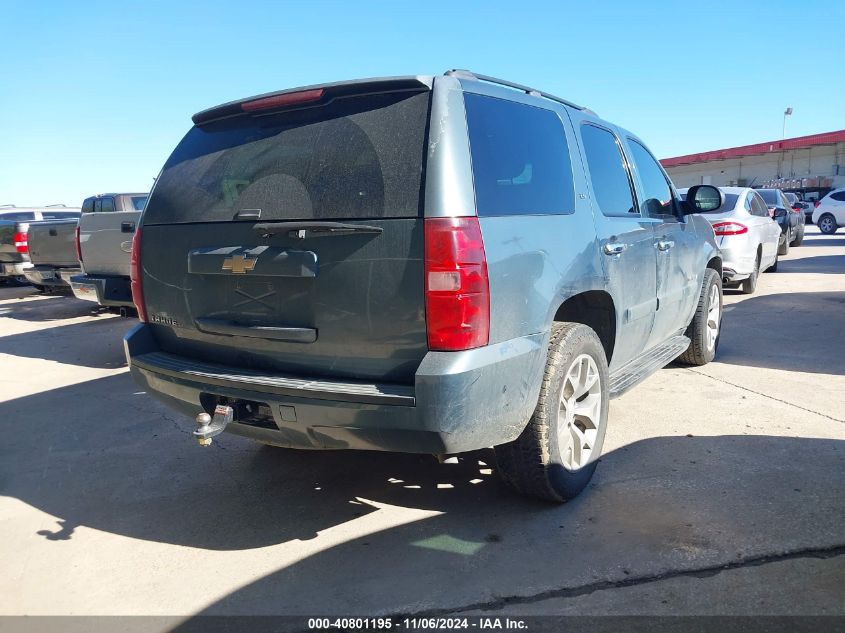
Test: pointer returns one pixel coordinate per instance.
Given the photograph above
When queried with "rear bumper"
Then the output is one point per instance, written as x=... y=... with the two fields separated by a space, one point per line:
x=14 y=269
x=50 y=276
x=107 y=291
x=460 y=401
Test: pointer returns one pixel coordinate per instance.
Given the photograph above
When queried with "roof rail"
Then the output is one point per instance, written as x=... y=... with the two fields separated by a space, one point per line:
x=7 y=206
x=468 y=74
x=49 y=206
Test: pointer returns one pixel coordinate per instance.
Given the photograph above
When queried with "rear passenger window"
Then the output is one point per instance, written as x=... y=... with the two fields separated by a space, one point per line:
x=608 y=173
x=658 y=196
x=520 y=158
x=108 y=205
x=839 y=195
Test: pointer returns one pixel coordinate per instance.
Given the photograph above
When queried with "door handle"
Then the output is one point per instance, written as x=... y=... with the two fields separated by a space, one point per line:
x=614 y=248
x=127 y=227
x=664 y=245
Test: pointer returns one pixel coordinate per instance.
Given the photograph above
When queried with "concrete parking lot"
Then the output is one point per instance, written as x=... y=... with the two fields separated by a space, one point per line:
x=721 y=490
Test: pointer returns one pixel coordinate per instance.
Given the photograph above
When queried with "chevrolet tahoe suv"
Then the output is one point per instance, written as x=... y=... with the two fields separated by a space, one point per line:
x=430 y=264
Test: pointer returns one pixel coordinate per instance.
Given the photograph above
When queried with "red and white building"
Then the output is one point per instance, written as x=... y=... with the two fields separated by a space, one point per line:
x=812 y=165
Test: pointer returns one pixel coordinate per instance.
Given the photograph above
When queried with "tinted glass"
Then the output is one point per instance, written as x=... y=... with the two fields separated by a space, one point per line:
x=791 y=197
x=770 y=196
x=138 y=202
x=107 y=205
x=758 y=206
x=840 y=196
x=658 y=196
x=520 y=158
x=608 y=173
x=18 y=216
x=88 y=205
x=59 y=215
x=355 y=157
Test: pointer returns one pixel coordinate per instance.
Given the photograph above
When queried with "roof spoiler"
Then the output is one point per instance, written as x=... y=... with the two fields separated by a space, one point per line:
x=310 y=96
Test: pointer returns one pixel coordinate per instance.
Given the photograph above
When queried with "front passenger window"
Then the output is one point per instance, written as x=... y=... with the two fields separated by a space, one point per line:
x=658 y=199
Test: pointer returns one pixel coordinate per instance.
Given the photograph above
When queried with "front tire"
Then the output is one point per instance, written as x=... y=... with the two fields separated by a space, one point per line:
x=774 y=267
x=706 y=326
x=798 y=240
x=555 y=456
x=827 y=224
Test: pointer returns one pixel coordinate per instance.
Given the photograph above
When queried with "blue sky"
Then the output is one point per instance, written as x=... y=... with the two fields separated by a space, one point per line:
x=95 y=95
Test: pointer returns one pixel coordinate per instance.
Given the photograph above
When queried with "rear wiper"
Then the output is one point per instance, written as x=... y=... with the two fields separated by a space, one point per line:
x=301 y=230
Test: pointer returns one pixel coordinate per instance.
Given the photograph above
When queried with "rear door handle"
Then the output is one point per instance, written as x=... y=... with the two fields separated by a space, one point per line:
x=664 y=245
x=614 y=248
x=127 y=227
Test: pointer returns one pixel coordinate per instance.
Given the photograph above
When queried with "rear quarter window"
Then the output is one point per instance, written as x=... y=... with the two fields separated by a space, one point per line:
x=520 y=158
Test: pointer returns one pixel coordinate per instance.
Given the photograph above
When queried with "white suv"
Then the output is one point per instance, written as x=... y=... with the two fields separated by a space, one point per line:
x=830 y=212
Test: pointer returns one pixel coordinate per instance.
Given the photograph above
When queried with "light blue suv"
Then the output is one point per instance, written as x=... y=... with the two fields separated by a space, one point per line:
x=429 y=264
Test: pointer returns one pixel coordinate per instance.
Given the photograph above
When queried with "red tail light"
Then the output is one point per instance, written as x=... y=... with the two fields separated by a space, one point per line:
x=729 y=228
x=79 y=247
x=816 y=204
x=457 y=291
x=135 y=276
x=21 y=243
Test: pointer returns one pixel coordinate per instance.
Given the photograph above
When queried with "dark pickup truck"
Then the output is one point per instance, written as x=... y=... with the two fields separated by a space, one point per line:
x=52 y=252
x=14 y=244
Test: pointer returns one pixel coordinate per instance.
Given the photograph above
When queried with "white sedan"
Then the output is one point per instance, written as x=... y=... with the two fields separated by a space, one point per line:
x=747 y=235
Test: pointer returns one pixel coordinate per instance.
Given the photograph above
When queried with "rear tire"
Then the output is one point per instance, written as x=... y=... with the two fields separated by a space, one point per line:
x=750 y=285
x=827 y=224
x=705 y=329
x=555 y=456
x=783 y=249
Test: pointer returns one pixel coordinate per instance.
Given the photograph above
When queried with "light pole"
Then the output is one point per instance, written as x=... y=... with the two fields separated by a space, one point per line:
x=786 y=113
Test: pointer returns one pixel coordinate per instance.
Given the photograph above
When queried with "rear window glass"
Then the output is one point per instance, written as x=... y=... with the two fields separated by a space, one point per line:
x=355 y=157
x=770 y=196
x=520 y=158
x=18 y=216
x=728 y=205
x=138 y=202
x=59 y=215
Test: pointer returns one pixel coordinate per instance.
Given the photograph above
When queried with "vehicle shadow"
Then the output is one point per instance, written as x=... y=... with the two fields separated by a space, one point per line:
x=97 y=344
x=822 y=264
x=123 y=465
x=32 y=305
x=765 y=330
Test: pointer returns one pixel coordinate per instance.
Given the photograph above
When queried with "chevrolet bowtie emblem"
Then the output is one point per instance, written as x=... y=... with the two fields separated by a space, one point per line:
x=238 y=264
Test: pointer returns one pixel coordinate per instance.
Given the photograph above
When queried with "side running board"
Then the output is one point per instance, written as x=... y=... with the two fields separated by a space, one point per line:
x=642 y=367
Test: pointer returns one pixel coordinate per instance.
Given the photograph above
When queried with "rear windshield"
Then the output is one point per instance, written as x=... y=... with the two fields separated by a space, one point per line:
x=356 y=157
x=18 y=216
x=59 y=215
x=770 y=196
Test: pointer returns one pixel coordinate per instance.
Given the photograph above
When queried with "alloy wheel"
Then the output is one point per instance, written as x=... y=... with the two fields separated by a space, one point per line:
x=579 y=414
x=714 y=310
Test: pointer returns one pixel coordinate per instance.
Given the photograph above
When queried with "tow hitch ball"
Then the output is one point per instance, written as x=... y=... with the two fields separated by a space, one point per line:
x=211 y=426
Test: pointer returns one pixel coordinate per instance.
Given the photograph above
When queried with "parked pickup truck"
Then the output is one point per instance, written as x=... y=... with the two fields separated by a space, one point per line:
x=52 y=251
x=419 y=264
x=14 y=243
x=104 y=241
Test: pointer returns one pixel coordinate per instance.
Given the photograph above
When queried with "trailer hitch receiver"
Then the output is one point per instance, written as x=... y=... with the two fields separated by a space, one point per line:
x=209 y=426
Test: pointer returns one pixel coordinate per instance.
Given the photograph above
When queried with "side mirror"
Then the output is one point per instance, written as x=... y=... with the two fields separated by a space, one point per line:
x=780 y=213
x=704 y=198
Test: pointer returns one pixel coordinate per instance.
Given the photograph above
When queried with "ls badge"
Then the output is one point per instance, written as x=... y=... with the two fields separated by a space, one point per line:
x=239 y=264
